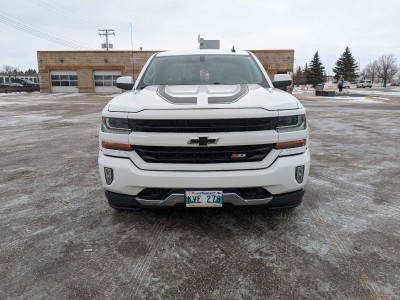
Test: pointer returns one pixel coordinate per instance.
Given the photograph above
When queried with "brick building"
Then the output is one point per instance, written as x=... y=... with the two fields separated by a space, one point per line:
x=97 y=71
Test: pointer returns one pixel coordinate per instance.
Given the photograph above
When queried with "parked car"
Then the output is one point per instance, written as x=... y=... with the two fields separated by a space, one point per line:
x=11 y=84
x=364 y=84
x=203 y=128
x=24 y=82
x=395 y=84
x=346 y=85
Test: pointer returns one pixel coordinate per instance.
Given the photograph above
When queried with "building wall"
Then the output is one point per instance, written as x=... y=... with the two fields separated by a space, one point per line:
x=275 y=61
x=85 y=62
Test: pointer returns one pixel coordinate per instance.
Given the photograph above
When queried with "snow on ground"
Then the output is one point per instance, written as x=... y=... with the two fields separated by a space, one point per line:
x=110 y=95
x=65 y=95
x=302 y=90
x=342 y=98
x=26 y=119
x=353 y=99
x=391 y=93
x=363 y=100
x=11 y=94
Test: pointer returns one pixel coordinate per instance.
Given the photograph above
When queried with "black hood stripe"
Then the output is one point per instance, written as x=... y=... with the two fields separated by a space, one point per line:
x=230 y=99
x=175 y=100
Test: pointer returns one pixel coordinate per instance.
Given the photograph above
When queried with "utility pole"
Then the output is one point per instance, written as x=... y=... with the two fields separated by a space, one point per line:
x=106 y=33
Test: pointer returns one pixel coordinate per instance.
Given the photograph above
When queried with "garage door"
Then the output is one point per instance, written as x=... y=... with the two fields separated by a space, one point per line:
x=64 y=81
x=106 y=81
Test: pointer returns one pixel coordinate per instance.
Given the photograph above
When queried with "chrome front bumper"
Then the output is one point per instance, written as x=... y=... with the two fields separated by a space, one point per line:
x=176 y=198
x=126 y=202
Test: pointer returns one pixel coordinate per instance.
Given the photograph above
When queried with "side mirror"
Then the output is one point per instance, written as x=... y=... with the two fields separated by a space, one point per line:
x=125 y=83
x=282 y=80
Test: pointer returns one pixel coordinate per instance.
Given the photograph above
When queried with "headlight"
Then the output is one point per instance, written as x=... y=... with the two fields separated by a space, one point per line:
x=115 y=125
x=291 y=123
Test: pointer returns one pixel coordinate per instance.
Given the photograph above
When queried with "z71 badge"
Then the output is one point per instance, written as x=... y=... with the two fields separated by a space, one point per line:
x=238 y=156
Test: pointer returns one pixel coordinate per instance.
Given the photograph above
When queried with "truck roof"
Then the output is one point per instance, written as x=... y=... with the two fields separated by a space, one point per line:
x=201 y=51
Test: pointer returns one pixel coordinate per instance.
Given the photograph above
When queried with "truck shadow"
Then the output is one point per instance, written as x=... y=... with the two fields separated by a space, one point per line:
x=210 y=220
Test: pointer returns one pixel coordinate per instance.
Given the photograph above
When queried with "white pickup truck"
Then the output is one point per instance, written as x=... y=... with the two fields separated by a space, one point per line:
x=203 y=128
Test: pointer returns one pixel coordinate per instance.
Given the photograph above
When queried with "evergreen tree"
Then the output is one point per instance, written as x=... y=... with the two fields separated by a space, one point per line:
x=316 y=71
x=306 y=73
x=346 y=65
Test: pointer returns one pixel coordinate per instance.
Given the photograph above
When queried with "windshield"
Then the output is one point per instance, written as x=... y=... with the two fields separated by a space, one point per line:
x=202 y=69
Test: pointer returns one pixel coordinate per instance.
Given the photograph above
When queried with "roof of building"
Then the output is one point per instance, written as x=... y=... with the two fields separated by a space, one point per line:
x=202 y=51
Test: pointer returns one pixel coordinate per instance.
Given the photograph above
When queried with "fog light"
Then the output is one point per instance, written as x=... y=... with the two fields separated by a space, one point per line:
x=109 y=175
x=299 y=174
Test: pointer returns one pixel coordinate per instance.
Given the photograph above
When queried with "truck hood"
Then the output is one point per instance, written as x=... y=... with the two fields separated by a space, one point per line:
x=203 y=97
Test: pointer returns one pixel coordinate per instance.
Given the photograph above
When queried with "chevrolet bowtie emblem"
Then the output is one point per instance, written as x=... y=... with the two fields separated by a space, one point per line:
x=203 y=141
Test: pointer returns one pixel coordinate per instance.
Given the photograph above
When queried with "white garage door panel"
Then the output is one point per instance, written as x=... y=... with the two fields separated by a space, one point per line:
x=105 y=81
x=64 y=81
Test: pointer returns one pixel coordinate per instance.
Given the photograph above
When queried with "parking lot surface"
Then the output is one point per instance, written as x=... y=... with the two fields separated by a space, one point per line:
x=60 y=240
x=390 y=94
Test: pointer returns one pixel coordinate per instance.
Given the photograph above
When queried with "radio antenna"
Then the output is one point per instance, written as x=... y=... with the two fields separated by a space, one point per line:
x=133 y=66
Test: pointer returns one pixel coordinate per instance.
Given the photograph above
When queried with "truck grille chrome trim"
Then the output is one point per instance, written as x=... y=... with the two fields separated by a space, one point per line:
x=203 y=155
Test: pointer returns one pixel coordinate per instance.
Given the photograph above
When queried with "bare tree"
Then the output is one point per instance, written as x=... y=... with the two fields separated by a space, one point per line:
x=370 y=71
x=9 y=70
x=299 y=76
x=387 y=67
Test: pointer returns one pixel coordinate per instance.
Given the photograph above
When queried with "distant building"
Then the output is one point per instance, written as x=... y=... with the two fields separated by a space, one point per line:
x=97 y=71
x=330 y=79
x=6 y=78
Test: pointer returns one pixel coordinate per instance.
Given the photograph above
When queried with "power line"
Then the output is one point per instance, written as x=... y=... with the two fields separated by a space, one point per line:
x=15 y=19
x=62 y=12
x=106 y=33
x=39 y=34
x=27 y=29
x=85 y=18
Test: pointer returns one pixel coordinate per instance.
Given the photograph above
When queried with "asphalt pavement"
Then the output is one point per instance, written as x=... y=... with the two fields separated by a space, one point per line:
x=60 y=240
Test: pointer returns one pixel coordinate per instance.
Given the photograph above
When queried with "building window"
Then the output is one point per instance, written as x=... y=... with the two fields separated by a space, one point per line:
x=64 y=80
x=105 y=80
x=1 y=80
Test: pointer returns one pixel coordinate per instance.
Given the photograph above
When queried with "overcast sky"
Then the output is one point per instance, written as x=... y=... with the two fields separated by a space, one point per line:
x=369 y=28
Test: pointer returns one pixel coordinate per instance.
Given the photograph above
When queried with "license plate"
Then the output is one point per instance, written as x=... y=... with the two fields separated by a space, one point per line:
x=203 y=198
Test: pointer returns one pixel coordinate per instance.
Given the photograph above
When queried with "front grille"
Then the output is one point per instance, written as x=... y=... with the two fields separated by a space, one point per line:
x=199 y=126
x=203 y=155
